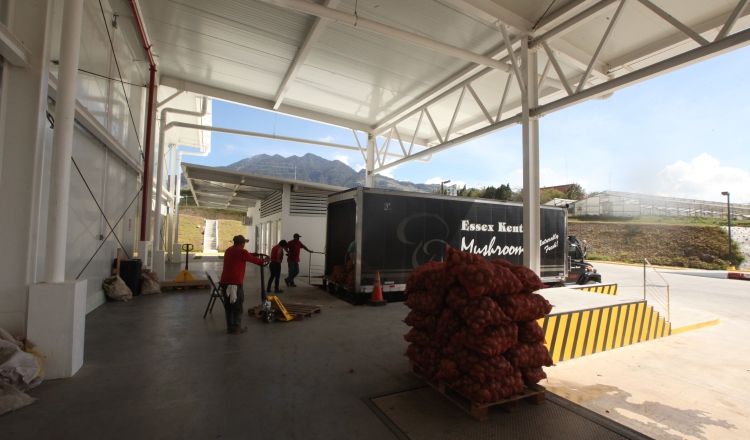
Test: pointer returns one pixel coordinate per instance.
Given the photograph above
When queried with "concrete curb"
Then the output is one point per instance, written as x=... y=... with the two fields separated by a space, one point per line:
x=687 y=328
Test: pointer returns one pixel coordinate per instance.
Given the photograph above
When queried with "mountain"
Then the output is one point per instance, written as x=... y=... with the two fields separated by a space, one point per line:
x=312 y=168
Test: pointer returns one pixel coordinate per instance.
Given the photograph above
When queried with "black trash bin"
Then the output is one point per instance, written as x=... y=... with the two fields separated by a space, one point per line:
x=130 y=272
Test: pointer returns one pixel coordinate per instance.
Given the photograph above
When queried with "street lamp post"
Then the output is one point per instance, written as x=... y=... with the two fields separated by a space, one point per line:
x=729 y=225
x=441 y=185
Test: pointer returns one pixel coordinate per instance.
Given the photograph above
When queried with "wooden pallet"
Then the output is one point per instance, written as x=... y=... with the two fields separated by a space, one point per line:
x=297 y=311
x=480 y=411
x=197 y=284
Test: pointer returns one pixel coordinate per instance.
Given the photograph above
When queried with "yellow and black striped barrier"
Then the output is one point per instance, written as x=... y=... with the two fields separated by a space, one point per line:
x=579 y=333
x=605 y=289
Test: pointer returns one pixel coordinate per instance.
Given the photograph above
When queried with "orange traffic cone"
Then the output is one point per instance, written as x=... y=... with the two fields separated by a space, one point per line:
x=377 y=292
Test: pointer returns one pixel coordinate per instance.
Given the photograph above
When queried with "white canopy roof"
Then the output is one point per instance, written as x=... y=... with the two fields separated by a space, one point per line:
x=433 y=73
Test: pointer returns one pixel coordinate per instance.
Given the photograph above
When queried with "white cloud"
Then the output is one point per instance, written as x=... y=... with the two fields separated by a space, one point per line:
x=434 y=180
x=358 y=167
x=341 y=157
x=389 y=172
x=703 y=178
x=328 y=138
x=230 y=148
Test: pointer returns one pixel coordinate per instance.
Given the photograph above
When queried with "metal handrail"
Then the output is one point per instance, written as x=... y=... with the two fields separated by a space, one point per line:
x=309 y=266
x=662 y=300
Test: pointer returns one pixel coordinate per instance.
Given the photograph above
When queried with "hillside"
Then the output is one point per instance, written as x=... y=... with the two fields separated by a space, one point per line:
x=191 y=228
x=312 y=168
x=700 y=247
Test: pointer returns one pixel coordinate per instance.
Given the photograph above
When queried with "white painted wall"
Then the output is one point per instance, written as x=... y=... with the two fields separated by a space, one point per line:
x=24 y=170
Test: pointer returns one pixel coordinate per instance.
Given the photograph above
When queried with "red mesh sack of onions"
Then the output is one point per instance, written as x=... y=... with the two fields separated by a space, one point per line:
x=509 y=285
x=428 y=277
x=414 y=352
x=449 y=324
x=422 y=320
x=492 y=341
x=457 y=297
x=448 y=370
x=338 y=275
x=525 y=355
x=427 y=358
x=530 y=331
x=482 y=312
x=425 y=302
x=421 y=337
x=532 y=375
x=472 y=363
x=524 y=307
x=491 y=390
x=527 y=277
x=473 y=272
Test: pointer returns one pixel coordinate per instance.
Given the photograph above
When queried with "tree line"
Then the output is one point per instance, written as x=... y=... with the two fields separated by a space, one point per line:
x=505 y=192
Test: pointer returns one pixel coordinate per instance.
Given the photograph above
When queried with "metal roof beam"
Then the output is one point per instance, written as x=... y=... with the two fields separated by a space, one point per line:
x=12 y=49
x=595 y=57
x=379 y=28
x=454 y=142
x=669 y=42
x=573 y=22
x=727 y=44
x=264 y=104
x=561 y=14
x=732 y=20
x=674 y=22
x=493 y=12
x=299 y=59
x=264 y=135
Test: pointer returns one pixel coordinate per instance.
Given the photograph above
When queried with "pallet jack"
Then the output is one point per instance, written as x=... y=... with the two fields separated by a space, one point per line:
x=185 y=275
x=270 y=305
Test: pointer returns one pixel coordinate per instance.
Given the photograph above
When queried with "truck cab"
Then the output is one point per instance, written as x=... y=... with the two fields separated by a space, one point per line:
x=581 y=272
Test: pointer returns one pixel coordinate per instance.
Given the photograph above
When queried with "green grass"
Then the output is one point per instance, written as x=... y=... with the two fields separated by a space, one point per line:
x=191 y=231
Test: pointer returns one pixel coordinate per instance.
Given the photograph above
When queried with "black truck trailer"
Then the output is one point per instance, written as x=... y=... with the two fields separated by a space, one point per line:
x=394 y=232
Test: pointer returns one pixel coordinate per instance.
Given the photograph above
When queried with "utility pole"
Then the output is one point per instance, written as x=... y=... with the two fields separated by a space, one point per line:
x=729 y=226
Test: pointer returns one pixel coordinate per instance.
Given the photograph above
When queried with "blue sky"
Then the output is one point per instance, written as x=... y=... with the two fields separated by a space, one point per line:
x=684 y=134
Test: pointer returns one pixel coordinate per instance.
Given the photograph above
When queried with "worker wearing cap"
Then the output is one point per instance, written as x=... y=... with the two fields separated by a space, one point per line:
x=293 y=249
x=233 y=274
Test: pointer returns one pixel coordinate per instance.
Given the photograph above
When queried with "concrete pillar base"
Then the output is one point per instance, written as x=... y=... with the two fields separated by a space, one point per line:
x=177 y=254
x=144 y=253
x=158 y=265
x=56 y=324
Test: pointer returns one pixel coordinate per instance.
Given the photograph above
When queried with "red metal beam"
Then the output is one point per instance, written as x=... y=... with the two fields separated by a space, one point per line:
x=146 y=195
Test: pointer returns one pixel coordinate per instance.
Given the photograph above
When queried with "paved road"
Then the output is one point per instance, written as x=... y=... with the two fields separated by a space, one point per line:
x=692 y=385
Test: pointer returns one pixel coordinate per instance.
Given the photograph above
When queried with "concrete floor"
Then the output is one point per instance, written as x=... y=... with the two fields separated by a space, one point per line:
x=692 y=385
x=155 y=369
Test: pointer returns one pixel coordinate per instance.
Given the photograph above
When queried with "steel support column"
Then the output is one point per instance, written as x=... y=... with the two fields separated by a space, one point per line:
x=370 y=165
x=529 y=100
x=62 y=142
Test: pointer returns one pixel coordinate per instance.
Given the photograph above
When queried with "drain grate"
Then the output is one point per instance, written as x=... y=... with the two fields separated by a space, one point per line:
x=423 y=414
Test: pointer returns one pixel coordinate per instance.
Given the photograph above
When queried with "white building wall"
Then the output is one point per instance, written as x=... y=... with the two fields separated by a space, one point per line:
x=24 y=170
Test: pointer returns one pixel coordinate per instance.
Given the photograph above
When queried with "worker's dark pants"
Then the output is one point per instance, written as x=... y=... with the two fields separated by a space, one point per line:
x=293 y=271
x=275 y=268
x=233 y=311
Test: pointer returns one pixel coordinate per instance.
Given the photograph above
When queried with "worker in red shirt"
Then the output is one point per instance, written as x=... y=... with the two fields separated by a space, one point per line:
x=277 y=256
x=292 y=259
x=232 y=277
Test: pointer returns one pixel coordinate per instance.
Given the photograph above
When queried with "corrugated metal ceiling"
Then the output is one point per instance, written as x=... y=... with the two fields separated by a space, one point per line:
x=248 y=46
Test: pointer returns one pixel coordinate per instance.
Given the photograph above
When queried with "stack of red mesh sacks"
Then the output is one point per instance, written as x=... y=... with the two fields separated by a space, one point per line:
x=474 y=325
x=343 y=274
